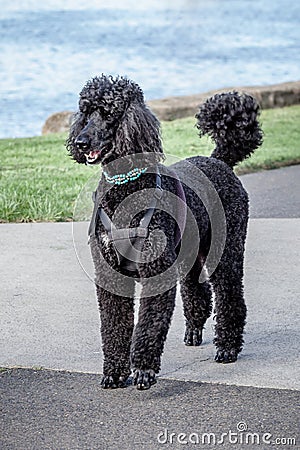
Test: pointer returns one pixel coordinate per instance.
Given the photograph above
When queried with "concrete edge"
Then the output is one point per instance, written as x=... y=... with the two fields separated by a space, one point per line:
x=177 y=107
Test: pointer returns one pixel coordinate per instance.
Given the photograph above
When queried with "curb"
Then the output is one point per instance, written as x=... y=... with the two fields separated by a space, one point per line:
x=171 y=108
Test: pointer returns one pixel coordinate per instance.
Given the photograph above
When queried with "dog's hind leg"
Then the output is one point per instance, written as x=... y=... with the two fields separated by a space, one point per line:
x=230 y=306
x=197 y=305
x=117 y=321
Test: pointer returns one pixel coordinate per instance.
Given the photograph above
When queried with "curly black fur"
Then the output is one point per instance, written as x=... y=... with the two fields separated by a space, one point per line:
x=104 y=103
x=112 y=122
x=231 y=120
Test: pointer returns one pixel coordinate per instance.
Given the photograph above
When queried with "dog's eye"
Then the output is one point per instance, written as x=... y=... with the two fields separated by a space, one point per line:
x=103 y=111
x=107 y=114
x=84 y=105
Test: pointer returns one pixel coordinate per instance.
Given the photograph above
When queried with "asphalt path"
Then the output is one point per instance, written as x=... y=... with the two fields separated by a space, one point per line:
x=51 y=352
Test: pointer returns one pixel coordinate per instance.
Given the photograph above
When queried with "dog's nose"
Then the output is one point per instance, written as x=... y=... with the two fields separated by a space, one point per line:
x=82 y=142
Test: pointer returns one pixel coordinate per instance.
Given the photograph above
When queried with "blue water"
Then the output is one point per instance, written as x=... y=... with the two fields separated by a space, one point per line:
x=172 y=47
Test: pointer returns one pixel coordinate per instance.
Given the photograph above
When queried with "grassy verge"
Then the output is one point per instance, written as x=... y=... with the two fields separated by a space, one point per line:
x=39 y=182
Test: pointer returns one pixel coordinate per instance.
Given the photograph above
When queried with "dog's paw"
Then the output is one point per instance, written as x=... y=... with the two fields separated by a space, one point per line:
x=225 y=356
x=193 y=336
x=113 y=382
x=143 y=379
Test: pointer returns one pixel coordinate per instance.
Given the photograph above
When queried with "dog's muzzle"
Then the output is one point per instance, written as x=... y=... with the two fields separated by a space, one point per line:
x=83 y=143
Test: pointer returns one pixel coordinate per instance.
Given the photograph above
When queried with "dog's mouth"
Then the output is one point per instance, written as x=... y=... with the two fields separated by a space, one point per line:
x=93 y=156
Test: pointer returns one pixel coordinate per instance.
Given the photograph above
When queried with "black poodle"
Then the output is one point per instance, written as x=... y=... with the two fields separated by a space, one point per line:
x=155 y=225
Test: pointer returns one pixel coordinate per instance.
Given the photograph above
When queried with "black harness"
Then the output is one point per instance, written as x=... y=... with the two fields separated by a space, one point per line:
x=128 y=242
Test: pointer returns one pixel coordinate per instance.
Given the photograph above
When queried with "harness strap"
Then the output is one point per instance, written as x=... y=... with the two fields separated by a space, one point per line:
x=142 y=229
x=181 y=208
x=92 y=227
x=157 y=195
x=128 y=233
x=124 y=238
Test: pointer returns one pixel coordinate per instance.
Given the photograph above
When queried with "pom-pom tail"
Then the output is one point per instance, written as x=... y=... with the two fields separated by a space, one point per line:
x=231 y=120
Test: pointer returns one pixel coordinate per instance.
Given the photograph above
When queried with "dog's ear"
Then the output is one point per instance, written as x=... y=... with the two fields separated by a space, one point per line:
x=139 y=132
x=77 y=125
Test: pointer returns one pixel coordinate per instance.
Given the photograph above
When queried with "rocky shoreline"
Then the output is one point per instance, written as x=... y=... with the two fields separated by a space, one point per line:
x=170 y=108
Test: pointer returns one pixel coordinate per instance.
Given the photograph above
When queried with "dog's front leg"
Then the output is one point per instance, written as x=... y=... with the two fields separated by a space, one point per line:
x=115 y=294
x=155 y=315
x=117 y=321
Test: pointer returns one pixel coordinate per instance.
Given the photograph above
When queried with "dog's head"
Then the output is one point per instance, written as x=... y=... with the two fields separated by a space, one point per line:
x=112 y=122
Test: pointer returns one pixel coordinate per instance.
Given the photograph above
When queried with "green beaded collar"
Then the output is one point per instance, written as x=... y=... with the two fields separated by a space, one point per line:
x=122 y=178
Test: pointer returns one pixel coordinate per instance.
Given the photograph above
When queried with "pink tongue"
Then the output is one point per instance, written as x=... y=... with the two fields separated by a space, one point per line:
x=93 y=154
